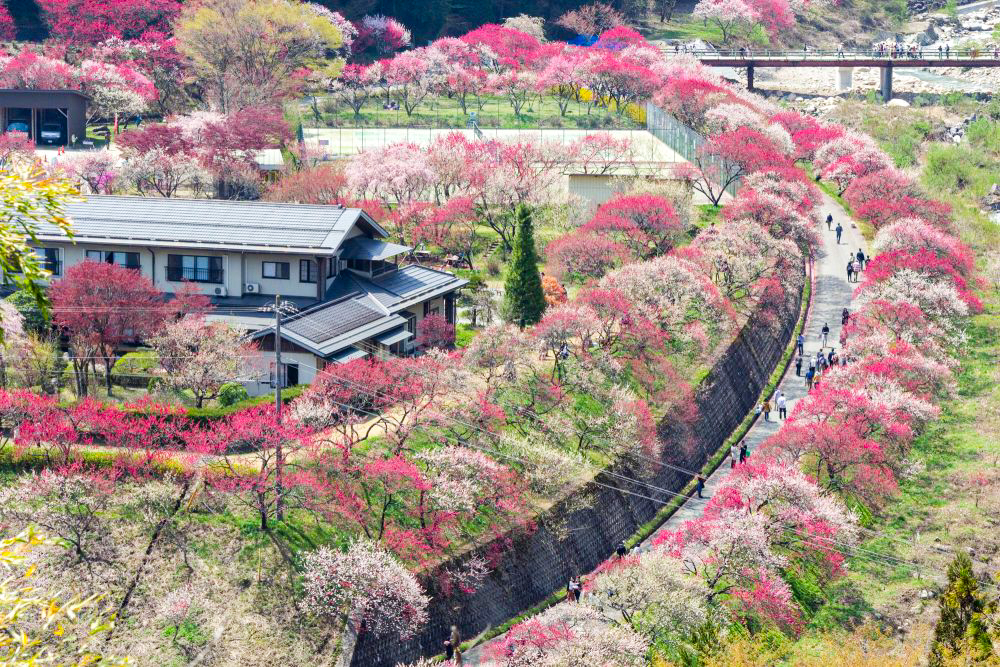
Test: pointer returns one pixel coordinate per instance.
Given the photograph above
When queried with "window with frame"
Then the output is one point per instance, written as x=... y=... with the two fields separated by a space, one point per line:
x=195 y=268
x=130 y=260
x=277 y=270
x=308 y=271
x=50 y=260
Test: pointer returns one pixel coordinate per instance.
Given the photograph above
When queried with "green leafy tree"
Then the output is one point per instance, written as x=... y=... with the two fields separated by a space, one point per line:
x=963 y=628
x=35 y=319
x=247 y=53
x=30 y=201
x=40 y=625
x=524 y=299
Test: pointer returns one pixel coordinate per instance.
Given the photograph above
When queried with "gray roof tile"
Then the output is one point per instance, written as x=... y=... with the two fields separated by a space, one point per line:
x=326 y=322
x=212 y=223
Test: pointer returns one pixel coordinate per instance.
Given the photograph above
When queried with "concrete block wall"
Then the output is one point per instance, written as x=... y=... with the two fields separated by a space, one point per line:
x=570 y=540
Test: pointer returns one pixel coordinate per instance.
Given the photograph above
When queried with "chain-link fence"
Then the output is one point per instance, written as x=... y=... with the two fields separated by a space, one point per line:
x=686 y=143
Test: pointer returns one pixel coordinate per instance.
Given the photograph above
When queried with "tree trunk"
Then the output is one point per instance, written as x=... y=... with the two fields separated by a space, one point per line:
x=263 y=511
x=107 y=376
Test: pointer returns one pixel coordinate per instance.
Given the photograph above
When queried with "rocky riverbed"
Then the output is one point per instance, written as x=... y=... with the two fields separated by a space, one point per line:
x=927 y=32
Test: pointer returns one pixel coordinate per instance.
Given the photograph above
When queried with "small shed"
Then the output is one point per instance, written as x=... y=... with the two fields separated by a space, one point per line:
x=62 y=112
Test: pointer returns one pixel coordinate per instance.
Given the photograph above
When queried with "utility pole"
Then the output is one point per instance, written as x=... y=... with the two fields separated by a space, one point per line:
x=278 y=380
x=280 y=307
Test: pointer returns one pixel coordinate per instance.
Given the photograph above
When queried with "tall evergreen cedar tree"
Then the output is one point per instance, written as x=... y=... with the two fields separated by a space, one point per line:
x=962 y=628
x=524 y=299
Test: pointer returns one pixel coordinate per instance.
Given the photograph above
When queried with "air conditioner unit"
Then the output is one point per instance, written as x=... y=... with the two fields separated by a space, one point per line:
x=251 y=288
x=221 y=291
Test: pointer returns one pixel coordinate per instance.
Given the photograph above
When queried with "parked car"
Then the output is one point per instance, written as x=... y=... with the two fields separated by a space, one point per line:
x=18 y=126
x=51 y=133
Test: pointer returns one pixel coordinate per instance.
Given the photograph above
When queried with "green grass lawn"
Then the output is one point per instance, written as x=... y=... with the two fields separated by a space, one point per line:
x=443 y=112
x=685 y=27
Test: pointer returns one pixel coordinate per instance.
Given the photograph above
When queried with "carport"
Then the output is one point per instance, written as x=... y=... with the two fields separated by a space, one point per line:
x=33 y=109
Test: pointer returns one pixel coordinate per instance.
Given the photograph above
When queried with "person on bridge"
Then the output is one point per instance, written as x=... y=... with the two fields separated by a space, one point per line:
x=940 y=51
x=829 y=221
x=839 y=230
x=947 y=50
x=743 y=52
x=840 y=50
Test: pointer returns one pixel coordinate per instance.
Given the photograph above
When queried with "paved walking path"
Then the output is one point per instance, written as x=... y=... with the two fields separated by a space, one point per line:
x=831 y=293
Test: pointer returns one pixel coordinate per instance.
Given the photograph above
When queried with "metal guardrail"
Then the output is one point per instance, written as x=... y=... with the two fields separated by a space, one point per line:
x=683 y=140
x=918 y=53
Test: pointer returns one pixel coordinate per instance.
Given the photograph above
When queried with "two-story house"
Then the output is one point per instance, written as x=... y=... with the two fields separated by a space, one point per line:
x=352 y=298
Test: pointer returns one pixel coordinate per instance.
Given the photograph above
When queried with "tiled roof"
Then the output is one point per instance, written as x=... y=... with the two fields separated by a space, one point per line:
x=212 y=223
x=360 y=247
x=324 y=323
x=397 y=289
x=330 y=327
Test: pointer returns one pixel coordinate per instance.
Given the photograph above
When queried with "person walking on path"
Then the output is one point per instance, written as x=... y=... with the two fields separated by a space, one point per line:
x=860 y=256
x=743 y=452
x=798 y=366
x=850 y=270
x=782 y=407
x=622 y=550
x=857 y=270
x=810 y=374
x=700 y=484
x=449 y=650
x=573 y=589
x=733 y=453
x=825 y=333
x=845 y=317
x=829 y=221
x=767 y=416
x=839 y=230
x=455 y=640
x=801 y=342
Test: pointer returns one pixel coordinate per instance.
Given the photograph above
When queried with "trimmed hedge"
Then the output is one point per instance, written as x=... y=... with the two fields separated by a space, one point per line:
x=205 y=415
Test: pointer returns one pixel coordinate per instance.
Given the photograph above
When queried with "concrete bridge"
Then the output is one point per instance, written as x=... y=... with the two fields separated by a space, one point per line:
x=847 y=60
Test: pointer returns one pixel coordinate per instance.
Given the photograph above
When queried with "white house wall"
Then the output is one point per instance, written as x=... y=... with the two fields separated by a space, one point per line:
x=238 y=268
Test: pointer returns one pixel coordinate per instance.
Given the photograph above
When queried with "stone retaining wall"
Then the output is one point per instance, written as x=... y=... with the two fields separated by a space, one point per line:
x=570 y=540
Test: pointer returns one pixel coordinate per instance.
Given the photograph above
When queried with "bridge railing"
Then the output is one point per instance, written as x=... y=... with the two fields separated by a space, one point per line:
x=818 y=54
x=685 y=142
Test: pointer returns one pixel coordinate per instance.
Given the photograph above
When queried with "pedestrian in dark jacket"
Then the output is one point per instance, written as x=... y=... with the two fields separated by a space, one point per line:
x=829 y=221
x=850 y=270
x=798 y=366
x=839 y=230
x=700 y=484
x=743 y=452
